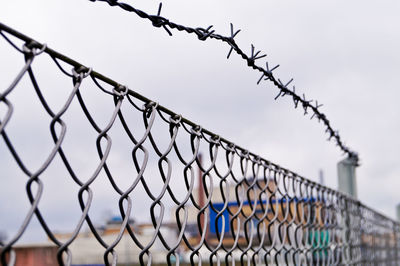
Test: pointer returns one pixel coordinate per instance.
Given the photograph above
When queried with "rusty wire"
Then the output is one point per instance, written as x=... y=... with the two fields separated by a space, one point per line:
x=261 y=212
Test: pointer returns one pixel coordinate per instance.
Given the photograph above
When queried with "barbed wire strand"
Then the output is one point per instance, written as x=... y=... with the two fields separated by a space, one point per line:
x=267 y=73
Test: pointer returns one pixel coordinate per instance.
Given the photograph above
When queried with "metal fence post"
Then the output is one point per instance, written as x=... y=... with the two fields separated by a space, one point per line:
x=395 y=243
x=396 y=229
x=347 y=184
x=347 y=176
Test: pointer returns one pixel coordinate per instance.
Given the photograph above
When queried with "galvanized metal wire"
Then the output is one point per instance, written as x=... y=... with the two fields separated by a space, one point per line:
x=247 y=209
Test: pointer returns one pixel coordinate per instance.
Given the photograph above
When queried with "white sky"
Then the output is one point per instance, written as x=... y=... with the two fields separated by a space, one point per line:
x=344 y=54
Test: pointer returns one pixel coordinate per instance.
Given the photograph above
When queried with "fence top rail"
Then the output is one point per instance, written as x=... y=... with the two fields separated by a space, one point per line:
x=212 y=136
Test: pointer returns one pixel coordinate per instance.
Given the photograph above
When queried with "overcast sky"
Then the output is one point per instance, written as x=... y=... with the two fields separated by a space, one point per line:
x=344 y=54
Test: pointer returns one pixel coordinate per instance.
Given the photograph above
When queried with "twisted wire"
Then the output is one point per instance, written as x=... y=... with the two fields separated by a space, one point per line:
x=266 y=73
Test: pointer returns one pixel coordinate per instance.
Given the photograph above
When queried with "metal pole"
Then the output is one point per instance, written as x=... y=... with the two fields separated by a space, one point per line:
x=398 y=212
x=394 y=244
x=347 y=184
x=347 y=176
x=396 y=234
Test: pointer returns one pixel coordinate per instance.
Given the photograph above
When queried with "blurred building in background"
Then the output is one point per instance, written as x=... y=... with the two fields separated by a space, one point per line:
x=37 y=254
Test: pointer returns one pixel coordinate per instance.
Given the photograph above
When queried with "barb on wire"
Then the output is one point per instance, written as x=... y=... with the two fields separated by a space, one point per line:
x=233 y=35
x=204 y=34
x=159 y=21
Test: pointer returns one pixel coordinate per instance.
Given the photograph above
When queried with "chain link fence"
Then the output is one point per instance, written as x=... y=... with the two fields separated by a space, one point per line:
x=232 y=206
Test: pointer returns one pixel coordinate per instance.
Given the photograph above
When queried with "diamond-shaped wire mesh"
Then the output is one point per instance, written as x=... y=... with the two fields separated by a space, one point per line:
x=209 y=201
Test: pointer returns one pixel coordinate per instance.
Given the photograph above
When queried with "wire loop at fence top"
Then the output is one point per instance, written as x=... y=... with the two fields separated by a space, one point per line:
x=259 y=213
x=266 y=73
